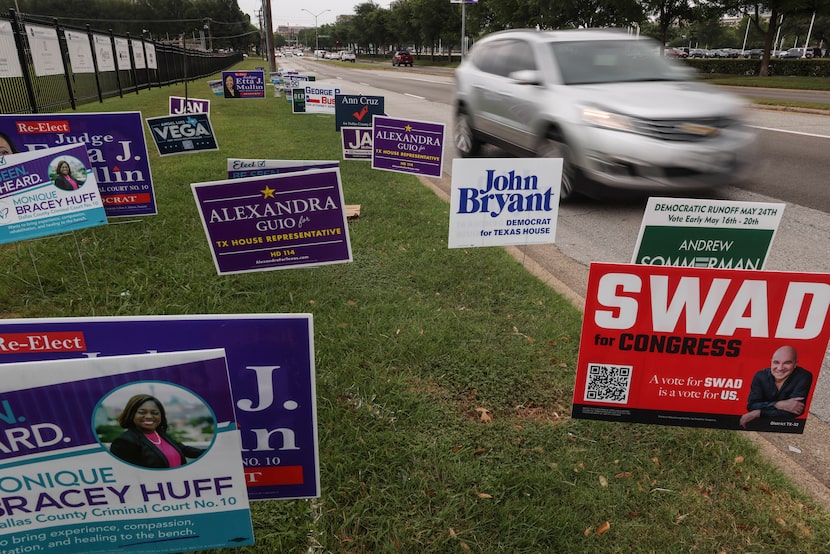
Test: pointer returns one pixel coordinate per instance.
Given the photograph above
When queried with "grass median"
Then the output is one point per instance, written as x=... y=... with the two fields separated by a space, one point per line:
x=444 y=377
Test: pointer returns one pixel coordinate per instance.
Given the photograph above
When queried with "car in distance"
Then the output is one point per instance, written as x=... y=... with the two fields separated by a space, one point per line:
x=621 y=116
x=794 y=53
x=402 y=57
x=347 y=56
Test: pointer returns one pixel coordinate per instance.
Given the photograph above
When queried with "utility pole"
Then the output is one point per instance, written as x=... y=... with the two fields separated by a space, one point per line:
x=269 y=37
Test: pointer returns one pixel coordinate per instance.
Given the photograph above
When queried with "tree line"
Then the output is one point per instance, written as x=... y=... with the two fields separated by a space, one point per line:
x=431 y=26
x=222 y=22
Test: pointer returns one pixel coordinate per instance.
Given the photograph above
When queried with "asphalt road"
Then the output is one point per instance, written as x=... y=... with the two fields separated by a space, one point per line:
x=791 y=169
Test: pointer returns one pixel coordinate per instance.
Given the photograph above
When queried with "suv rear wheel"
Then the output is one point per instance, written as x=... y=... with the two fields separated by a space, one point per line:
x=465 y=140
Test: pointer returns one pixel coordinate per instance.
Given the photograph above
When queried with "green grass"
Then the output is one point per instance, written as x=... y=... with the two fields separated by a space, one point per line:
x=444 y=377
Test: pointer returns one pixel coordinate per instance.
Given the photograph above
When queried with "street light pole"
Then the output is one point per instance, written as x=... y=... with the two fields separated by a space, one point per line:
x=316 y=36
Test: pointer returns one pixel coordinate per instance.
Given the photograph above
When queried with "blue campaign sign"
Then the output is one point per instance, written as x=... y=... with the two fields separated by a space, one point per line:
x=356 y=110
x=182 y=134
x=47 y=192
x=270 y=360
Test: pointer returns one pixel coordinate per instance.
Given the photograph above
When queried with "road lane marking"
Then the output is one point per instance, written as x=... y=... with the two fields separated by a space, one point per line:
x=790 y=132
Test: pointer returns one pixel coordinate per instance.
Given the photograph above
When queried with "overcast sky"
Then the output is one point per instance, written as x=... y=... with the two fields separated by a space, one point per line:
x=290 y=12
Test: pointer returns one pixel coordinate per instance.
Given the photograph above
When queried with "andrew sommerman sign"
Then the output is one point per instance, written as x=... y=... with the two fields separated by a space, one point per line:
x=701 y=347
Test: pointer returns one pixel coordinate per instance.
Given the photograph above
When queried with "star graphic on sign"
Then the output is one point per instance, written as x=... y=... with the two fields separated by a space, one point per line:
x=267 y=192
x=408 y=128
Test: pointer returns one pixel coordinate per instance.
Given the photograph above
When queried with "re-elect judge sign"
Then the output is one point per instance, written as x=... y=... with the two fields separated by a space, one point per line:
x=729 y=349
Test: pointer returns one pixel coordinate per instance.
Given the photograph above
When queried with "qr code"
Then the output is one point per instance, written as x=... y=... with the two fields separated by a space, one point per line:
x=608 y=383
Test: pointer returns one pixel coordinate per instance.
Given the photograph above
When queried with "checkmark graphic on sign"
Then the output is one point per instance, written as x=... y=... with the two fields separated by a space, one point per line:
x=359 y=115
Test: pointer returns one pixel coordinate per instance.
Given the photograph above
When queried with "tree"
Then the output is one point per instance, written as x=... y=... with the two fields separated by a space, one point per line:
x=767 y=17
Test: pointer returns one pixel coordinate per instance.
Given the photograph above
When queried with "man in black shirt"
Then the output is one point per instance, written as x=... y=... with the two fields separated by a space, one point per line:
x=779 y=391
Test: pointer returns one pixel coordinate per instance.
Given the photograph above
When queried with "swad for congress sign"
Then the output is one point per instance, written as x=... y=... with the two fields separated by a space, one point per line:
x=728 y=349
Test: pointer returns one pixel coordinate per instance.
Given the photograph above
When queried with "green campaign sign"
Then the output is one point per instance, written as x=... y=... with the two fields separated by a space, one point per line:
x=720 y=234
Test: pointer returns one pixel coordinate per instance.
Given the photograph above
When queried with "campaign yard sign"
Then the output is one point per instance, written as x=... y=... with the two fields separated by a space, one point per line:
x=246 y=167
x=70 y=482
x=182 y=134
x=504 y=201
x=270 y=360
x=691 y=232
x=407 y=146
x=181 y=105
x=275 y=221
x=116 y=146
x=243 y=84
x=320 y=97
x=356 y=110
x=357 y=143
x=719 y=348
x=48 y=192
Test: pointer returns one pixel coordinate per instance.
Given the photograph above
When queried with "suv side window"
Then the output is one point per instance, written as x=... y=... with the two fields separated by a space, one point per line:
x=503 y=57
x=518 y=57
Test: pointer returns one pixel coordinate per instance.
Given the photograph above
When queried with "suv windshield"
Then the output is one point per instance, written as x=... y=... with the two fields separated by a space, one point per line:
x=612 y=61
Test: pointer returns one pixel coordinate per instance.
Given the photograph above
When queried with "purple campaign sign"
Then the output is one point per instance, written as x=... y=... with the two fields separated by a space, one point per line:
x=116 y=147
x=275 y=221
x=180 y=105
x=357 y=143
x=243 y=84
x=242 y=167
x=407 y=146
x=270 y=363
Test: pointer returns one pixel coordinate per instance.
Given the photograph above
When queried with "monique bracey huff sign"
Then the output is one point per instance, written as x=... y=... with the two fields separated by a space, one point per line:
x=116 y=147
x=407 y=146
x=47 y=192
x=275 y=221
x=270 y=360
x=70 y=480
x=507 y=201
x=723 y=234
x=727 y=349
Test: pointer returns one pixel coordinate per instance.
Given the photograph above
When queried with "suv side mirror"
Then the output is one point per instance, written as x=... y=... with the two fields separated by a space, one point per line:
x=526 y=77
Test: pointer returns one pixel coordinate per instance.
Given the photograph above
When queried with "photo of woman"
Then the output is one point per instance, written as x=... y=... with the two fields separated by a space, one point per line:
x=148 y=438
x=65 y=178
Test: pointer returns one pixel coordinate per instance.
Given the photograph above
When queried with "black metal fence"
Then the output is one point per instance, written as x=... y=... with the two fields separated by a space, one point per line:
x=45 y=68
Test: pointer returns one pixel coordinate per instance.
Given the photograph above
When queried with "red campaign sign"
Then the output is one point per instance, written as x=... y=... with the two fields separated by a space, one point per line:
x=726 y=349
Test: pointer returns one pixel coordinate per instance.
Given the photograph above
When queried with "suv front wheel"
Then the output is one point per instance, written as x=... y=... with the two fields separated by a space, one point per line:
x=552 y=147
x=465 y=140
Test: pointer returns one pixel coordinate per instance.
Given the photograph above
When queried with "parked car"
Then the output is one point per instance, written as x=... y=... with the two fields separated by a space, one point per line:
x=622 y=117
x=676 y=53
x=756 y=54
x=347 y=57
x=402 y=57
x=794 y=53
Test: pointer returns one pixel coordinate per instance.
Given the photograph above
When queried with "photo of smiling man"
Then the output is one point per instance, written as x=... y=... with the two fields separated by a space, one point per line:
x=779 y=391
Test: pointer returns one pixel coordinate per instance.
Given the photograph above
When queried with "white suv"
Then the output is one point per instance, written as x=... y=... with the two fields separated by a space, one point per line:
x=621 y=115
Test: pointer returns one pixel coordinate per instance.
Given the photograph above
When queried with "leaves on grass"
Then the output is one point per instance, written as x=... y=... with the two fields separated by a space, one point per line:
x=739 y=459
x=603 y=481
x=484 y=415
x=624 y=475
x=603 y=528
x=483 y=495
